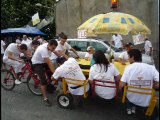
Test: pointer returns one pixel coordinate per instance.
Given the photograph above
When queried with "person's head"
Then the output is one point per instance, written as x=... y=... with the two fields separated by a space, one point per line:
x=18 y=37
x=145 y=39
x=35 y=44
x=90 y=49
x=128 y=46
x=60 y=60
x=62 y=38
x=115 y=34
x=23 y=48
x=52 y=44
x=100 y=58
x=134 y=55
x=24 y=37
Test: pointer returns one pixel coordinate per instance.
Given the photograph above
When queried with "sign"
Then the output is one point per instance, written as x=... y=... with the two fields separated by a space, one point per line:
x=35 y=19
x=138 y=39
x=82 y=34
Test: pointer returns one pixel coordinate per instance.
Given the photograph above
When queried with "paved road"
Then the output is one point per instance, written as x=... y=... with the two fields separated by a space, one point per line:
x=20 y=104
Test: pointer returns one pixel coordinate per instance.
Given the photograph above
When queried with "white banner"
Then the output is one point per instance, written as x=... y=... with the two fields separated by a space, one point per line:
x=82 y=34
x=35 y=19
x=138 y=39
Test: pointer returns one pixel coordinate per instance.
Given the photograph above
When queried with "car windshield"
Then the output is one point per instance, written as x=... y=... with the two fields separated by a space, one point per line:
x=113 y=47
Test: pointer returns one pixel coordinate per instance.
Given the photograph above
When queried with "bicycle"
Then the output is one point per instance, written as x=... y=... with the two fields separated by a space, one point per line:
x=33 y=81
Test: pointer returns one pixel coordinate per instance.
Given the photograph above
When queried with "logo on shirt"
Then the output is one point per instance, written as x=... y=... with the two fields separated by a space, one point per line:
x=140 y=82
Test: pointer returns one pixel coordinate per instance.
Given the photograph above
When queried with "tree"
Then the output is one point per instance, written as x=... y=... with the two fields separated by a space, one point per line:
x=18 y=13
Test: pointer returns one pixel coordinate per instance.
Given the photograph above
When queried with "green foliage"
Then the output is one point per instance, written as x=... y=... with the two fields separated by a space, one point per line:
x=18 y=13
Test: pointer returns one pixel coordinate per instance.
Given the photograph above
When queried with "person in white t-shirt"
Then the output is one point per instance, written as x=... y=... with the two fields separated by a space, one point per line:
x=2 y=51
x=70 y=69
x=123 y=57
x=89 y=54
x=117 y=41
x=41 y=61
x=64 y=46
x=148 y=47
x=103 y=70
x=18 y=40
x=138 y=71
x=25 y=40
x=11 y=57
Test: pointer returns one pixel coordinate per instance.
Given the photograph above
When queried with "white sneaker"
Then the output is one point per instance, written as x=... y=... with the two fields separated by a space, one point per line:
x=133 y=110
x=129 y=112
x=17 y=82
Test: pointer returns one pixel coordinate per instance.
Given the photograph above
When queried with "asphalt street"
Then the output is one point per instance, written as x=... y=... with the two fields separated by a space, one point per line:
x=21 y=104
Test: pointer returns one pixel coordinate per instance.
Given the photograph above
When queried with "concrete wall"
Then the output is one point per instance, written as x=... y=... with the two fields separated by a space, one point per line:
x=72 y=13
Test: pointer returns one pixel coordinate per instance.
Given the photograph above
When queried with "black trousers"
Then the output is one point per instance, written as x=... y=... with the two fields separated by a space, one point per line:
x=40 y=69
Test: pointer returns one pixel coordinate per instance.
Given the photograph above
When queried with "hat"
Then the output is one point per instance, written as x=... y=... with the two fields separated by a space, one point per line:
x=60 y=59
x=128 y=44
x=90 y=48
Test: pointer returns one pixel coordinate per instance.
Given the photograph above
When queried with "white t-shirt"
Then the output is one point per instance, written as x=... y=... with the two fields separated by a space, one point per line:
x=117 y=41
x=41 y=53
x=64 y=47
x=26 y=41
x=124 y=56
x=132 y=75
x=11 y=48
x=18 y=41
x=2 y=45
x=71 y=69
x=147 y=46
x=99 y=73
x=53 y=56
x=87 y=55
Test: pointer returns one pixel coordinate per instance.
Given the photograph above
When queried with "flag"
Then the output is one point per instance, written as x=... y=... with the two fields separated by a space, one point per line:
x=35 y=19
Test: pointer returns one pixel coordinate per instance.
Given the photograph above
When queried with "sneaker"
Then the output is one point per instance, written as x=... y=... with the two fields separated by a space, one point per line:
x=47 y=102
x=17 y=82
x=129 y=112
x=133 y=110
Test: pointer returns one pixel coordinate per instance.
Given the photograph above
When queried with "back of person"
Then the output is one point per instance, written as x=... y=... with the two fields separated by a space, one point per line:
x=140 y=72
x=13 y=48
x=98 y=72
x=71 y=69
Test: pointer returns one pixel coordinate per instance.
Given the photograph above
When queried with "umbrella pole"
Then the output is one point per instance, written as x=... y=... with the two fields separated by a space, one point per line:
x=110 y=48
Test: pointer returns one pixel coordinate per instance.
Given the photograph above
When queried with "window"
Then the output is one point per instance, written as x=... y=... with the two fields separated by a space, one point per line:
x=82 y=45
x=98 y=46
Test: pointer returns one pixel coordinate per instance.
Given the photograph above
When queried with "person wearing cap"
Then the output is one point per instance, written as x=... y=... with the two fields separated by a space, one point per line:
x=69 y=68
x=63 y=46
x=123 y=57
x=89 y=54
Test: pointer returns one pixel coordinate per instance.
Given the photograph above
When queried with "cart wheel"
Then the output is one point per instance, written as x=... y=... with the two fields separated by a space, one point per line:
x=65 y=100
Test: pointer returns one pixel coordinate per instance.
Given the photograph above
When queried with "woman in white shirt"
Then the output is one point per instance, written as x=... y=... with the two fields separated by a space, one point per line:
x=103 y=70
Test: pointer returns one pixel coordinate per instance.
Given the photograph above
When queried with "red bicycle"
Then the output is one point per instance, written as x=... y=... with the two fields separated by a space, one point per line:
x=33 y=81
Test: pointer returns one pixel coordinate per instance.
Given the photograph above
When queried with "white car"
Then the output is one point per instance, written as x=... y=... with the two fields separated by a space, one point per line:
x=80 y=45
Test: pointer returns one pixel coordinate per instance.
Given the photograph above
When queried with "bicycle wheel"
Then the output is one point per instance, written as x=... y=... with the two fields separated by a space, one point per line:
x=7 y=79
x=33 y=83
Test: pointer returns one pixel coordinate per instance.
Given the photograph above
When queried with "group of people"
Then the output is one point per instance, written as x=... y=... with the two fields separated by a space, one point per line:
x=53 y=55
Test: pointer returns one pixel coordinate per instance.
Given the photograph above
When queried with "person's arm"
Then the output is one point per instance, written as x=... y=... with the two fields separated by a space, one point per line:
x=121 y=85
x=72 y=49
x=121 y=60
x=12 y=57
x=49 y=63
x=156 y=78
x=124 y=78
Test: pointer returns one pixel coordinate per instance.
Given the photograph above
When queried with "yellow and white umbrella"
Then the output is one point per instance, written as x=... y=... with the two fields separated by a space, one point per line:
x=114 y=22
